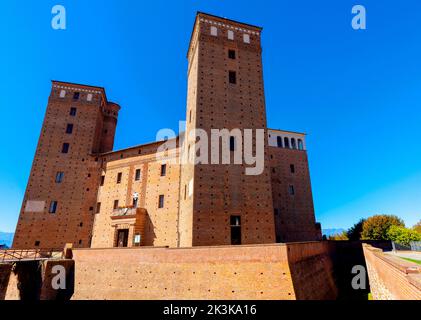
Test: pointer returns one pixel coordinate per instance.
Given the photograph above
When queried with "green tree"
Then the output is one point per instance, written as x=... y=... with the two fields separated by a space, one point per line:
x=339 y=236
x=354 y=233
x=403 y=235
x=417 y=227
x=376 y=227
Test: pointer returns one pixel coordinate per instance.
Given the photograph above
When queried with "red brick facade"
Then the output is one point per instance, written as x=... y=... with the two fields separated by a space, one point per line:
x=142 y=196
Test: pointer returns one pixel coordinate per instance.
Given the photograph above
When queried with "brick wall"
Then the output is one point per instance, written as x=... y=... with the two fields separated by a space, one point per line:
x=243 y=272
x=391 y=279
x=5 y=270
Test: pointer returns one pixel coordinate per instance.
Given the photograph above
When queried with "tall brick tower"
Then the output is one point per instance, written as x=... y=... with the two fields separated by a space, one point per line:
x=60 y=198
x=220 y=204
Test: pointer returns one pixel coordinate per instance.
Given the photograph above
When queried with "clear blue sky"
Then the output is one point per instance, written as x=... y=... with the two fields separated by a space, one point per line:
x=356 y=93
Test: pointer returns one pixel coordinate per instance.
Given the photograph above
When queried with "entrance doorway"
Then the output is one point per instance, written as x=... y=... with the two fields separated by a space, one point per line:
x=122 y=238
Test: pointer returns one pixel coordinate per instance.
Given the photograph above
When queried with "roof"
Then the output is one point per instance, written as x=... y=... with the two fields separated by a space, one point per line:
x=287 y=131
x=102 y=89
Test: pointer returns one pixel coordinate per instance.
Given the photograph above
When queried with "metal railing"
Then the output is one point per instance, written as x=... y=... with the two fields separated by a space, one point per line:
x=13 y=255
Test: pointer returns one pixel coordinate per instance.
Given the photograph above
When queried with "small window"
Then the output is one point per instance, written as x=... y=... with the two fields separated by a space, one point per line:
x=230 y=35
x=69 y=128
x=232 y=77
x=235 y=222
x=98 y=207
x=37 y=243
x=246 y=38
x=276 y=211
x=190 y=115
x=137 y=175
x=102 y=181
x=161 y=201
x=232 y=143
x=76 y=95
x=300 y=144
x=135 y=202
x=119 y=175
x=231 y=54
x=293 y=143
x=279 y=142
x=89 y=97
x=80 y=242
x=73 y=111
x=291 y=190
x=286 y=142
x=59 y=177
x=163 y=170
x=185 y=192
x=292 y=168
x=65 y=148
x=115 y=204
x=53 y=207
x=214 y=31
x=62 y=93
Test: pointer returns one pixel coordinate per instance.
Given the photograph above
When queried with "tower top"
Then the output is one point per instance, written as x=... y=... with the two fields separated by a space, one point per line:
x=80 y=87
x=224 y=25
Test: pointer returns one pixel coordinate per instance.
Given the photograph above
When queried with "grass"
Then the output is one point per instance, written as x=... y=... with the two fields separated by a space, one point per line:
x=412 y=260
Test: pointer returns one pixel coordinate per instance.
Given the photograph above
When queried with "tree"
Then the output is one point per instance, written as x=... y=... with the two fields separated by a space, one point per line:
x=354 y=233
x=403 y=235
x=417 y=227
x=339 y=236
x=376 y=227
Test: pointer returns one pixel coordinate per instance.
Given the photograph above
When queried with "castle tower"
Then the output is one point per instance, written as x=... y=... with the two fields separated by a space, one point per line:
x=59 y=202
x=219 y=203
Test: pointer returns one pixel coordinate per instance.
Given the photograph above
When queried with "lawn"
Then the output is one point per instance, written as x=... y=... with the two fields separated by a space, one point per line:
x=412 y=260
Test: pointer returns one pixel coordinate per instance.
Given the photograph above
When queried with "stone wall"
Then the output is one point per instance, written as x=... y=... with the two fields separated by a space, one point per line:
x=391 y=278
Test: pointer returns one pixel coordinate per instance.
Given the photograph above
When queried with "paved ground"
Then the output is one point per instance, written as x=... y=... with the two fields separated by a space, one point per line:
x=415 y=255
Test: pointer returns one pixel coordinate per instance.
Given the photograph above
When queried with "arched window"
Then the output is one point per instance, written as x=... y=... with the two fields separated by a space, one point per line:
x=279 y=142
x=293 y=143
x=286 y=142
x=300 y=144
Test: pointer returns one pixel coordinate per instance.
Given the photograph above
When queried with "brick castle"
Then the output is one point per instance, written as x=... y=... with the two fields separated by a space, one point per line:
x=82 y=192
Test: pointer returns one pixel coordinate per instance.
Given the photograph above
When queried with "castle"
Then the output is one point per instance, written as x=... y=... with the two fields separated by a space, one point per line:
x=82 y=192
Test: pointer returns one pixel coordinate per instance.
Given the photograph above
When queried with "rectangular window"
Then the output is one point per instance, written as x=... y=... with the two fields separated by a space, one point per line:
x=137 y=175
x=115 y=204
x=73 y=111
x=37 y=243
x=65 y=148
x=59 y=177
x=232 y=143
x=76 y=95
x=185 y=192
x=69 y=128
x=161 y=201
x=275 y=211
x=163 y=170
x=231 y=54
x=291 y=190
x=214 y=31
x=232 y=77
x=62 y=93
x=89 y=97
x=292 y=168
x=102 y=180
x=119 y=175
x=235 y=222
x=98 y=207
x=230 y=35
x=246 y=38
x=53 y=207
